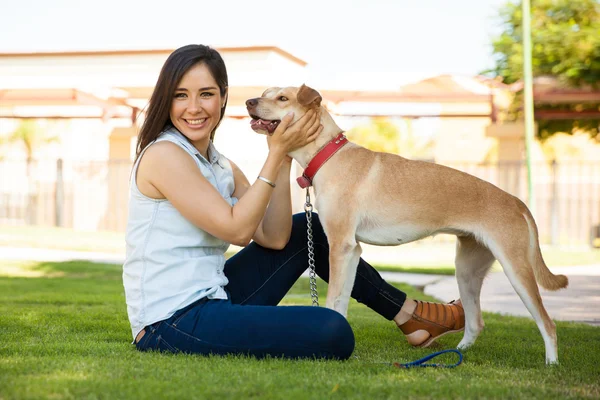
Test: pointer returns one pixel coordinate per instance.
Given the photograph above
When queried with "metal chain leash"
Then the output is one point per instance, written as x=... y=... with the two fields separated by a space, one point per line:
x=311 y=251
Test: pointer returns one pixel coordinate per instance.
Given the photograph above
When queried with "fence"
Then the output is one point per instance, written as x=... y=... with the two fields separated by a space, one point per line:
x=567 y=195
x=80 y=195
x=94 y=195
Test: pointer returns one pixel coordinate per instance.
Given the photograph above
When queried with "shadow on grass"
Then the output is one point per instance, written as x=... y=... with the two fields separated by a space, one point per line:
x=75 y=269
x=416 y=270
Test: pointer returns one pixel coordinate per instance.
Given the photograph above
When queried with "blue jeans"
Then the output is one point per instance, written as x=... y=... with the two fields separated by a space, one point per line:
x=250 y=322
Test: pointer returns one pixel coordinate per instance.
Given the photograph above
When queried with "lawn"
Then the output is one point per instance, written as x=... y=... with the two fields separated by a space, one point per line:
x=65 y=335
x=423 y=257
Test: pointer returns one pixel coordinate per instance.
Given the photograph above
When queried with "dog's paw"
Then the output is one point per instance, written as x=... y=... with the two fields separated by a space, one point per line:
x=465 y=344
x=341 y=306
x=551 y=361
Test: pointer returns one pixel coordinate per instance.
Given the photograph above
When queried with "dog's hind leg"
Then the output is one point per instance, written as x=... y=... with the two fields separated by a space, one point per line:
x=473 y=261
x=516 y=260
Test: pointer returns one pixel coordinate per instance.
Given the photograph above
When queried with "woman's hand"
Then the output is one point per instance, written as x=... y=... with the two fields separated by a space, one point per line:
x=289 y=137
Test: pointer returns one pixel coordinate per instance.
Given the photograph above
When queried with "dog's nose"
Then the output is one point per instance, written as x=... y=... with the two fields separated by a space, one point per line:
x=251 y=103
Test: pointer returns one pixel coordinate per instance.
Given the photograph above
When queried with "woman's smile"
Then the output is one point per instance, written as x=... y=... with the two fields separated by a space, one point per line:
x=196 y=123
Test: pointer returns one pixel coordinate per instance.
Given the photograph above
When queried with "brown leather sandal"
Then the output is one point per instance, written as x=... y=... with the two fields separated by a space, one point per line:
x=436 y=319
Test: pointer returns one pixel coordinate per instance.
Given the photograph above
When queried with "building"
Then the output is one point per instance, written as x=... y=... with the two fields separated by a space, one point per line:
x=93 y=103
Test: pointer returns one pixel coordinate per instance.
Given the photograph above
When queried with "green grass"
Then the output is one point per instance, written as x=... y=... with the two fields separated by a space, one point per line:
x=64 y=335
x=443 y=270
x=114 y=242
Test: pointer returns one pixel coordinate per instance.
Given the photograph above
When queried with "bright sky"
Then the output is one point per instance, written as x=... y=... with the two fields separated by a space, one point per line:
x=377 y=44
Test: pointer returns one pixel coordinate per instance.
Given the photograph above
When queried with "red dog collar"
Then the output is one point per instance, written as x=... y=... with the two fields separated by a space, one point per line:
x=320 y=158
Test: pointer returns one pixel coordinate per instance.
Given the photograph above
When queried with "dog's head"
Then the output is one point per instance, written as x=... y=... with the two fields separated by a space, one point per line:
x=268 y=110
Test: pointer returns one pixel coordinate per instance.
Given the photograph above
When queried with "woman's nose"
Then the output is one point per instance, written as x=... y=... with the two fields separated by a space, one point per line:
x=193 y=105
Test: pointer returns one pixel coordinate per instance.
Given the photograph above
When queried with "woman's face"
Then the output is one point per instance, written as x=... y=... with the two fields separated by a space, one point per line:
x=196 y=106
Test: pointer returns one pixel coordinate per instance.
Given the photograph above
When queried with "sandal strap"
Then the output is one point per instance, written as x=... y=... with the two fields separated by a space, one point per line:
x=435 y=318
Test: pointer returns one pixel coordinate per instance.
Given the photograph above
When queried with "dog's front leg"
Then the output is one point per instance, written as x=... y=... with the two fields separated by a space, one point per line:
x=343 y=262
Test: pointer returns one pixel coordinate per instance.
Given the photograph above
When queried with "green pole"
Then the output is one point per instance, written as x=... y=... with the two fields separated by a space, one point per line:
x=528 y=97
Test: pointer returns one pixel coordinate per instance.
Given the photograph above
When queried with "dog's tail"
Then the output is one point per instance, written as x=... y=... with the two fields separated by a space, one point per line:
x=542 y=274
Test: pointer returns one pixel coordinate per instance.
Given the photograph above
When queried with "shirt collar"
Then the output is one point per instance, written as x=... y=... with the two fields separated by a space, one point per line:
x=213 y=155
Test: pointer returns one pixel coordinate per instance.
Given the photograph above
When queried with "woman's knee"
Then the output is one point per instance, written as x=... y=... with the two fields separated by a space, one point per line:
x=300 y=226
x=337 y=335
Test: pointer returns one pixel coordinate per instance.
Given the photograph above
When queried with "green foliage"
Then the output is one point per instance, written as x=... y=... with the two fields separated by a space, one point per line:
x=380 y=135
x=565 y=45
x=31 y=136
x=547 y=128
x=565 y=41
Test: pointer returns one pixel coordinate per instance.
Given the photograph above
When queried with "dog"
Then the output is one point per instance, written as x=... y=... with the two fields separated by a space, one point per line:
x=384 y=199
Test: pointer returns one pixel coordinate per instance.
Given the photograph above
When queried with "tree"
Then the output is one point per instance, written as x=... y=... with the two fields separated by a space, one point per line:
x=32 y=137
x=565 y=45
x=29 y=134
x=381 y=134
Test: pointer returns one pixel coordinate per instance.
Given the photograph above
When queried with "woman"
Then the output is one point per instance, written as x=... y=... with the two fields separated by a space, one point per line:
x=188 y=203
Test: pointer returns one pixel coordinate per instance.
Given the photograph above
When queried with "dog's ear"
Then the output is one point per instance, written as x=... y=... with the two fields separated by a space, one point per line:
x=309 y=96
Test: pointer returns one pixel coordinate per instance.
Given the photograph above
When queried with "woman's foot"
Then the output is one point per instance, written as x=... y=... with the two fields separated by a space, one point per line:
x=424 y=322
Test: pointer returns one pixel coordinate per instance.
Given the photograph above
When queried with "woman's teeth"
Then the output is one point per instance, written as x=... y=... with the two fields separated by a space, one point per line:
x=195 y=121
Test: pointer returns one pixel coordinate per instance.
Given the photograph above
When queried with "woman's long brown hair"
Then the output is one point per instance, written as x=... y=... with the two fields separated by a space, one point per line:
x=178 y=63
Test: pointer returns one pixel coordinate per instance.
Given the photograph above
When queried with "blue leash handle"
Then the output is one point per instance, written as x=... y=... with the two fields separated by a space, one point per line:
x=421 y=362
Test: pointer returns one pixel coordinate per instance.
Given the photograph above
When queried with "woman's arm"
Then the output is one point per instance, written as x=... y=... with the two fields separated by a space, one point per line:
x=170 y=172
x=276 y=226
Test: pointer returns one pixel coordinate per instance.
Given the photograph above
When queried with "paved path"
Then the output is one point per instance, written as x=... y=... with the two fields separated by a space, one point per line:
x=579 y=302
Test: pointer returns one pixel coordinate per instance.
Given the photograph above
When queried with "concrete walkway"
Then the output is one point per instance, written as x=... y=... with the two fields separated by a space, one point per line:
x=579 y=302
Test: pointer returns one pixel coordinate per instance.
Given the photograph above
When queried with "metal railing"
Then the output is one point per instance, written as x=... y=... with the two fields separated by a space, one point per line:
x=89 y=195
x=567 y=201
x=94 y=195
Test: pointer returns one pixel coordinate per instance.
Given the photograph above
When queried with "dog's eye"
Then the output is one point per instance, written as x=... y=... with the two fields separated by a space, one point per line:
x=282 y=98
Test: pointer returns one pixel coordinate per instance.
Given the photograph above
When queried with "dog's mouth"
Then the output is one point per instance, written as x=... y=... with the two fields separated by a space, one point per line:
x=263 y=124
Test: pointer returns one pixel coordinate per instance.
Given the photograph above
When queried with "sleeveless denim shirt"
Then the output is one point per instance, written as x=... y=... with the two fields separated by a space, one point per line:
x=170 y=263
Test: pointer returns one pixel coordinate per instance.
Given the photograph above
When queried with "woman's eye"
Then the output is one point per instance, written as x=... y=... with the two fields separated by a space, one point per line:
x=207 y=94
x=282 y=98
x=179 y=95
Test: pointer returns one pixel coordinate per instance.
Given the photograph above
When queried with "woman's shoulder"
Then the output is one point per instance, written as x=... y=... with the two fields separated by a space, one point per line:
x=163 y=153
x=165 y=148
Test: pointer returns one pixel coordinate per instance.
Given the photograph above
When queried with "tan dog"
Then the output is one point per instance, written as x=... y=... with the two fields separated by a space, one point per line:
x=384 y=199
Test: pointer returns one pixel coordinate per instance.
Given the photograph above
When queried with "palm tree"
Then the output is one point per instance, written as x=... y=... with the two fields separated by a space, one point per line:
x=32 y=137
